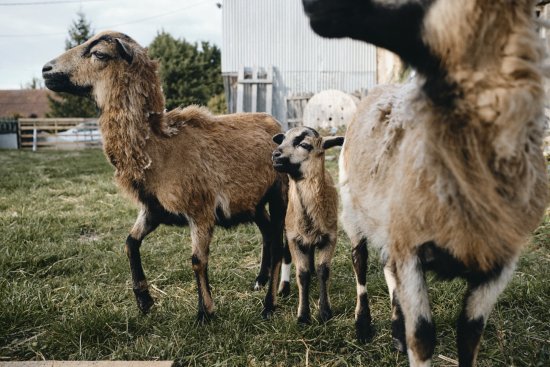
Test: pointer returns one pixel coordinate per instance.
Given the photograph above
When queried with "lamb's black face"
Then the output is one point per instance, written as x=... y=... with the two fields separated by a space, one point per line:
x=298 y=147
x=293 y=150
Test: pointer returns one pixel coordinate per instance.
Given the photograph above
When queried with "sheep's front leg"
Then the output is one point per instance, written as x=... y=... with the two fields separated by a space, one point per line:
x=363 y=322
x=325 y=252
x=301 y=256
x=145 y=224
x=412 y=293
x=200 y=242
x=480 y=299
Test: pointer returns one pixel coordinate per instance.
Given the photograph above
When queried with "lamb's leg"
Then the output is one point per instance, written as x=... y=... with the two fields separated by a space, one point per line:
x=300 y=254
x=145 y=224
x=412 y=293
x=360 y=255
x=284 y=284
x=264 y=225
x=200 y=241
x=397 y=319
x=325 y=254
x=479 y=301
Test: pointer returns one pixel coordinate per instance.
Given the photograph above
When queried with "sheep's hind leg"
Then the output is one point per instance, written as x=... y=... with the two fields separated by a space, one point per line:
x=200 y=241
x=284 y=284
x=145 y=224
x=412 y=293
x=363 y=321
x=480 y=299
x=264 y=225
x=397 y=319
x=277 y=211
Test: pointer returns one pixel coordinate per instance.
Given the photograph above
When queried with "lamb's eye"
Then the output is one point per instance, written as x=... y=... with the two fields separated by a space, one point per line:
x=306 y=146
x=100 y=55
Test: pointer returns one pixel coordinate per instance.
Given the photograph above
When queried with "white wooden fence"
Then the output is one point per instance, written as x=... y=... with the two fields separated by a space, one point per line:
x=59 y=133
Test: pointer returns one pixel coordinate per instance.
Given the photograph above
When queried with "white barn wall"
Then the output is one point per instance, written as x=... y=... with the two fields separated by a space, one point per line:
x=276 y=32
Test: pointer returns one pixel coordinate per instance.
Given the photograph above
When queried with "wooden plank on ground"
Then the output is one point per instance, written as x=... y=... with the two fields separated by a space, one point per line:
x=88 y=364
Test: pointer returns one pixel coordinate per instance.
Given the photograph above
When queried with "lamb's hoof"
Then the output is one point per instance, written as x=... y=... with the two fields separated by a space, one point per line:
x=325 y=315
x=261 y=281
x=364 y=331
x=204 y=317
x=284 y=289
x=304 y=319
x=144 y=300
x=267 y=312
x=399 y=345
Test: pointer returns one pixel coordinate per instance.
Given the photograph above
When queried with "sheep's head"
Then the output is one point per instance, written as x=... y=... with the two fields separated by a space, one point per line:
x=437 y=37
x=92 y=65
x=300 y=150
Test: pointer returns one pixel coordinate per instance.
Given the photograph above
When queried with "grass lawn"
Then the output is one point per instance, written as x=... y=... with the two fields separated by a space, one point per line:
x=65 y=290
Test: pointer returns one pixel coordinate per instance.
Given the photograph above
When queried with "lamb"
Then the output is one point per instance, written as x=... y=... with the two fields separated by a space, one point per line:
x=182 y=167
x=445 y=173
x=312 y=214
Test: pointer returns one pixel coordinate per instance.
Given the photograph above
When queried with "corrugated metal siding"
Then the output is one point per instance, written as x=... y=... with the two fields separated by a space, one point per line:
x=277 y=32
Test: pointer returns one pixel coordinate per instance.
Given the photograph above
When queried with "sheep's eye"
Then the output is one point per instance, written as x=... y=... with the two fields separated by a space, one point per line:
x=306 y=146
x=100 y=55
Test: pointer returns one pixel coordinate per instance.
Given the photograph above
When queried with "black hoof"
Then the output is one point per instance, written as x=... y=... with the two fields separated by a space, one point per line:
x=400 y=345
x=325 y=315
x=204 y=317
x=304 y=319
x=284 y=290
x=261 y=281
x=267 y=312
x=364 y=330
x=144 y=300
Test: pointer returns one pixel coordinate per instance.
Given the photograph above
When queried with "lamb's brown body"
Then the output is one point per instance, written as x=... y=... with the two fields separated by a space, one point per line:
x=311 y=221
x=445 y=173
x=185 y=166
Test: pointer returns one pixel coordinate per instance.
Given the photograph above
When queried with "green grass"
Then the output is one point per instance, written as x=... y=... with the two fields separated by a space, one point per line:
x=65 y=289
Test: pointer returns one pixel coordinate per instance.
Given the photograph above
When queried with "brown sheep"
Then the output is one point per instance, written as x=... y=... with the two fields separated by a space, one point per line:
x=445 y=173
x=312 y=215
x=182 y=167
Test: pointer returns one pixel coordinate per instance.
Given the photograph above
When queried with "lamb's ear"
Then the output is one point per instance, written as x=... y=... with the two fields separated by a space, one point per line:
x=332 y=141
x=125 y=50
x=279 y=138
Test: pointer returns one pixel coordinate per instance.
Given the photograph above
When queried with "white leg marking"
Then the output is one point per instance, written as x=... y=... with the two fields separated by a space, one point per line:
x=483 y=298
x=285 y=272
x=390 y=281
x=415 y=363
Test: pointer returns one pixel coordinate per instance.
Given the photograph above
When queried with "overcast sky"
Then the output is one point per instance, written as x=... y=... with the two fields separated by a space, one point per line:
x=31 y=35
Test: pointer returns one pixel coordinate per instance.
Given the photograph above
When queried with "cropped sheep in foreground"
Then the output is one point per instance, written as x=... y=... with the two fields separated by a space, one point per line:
x=185 y=166
x=312 y=214
x=445 y=173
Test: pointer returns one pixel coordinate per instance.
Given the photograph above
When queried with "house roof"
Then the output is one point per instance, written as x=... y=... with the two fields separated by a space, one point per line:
x=24 y=102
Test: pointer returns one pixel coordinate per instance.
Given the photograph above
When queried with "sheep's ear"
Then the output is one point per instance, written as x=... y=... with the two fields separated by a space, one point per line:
x=124 y=50
x=279 y=138
x=332 y=141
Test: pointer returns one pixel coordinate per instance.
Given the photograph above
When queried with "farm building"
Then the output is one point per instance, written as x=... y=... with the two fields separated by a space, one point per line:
x=272 y=61
x=24 y=103
x=272 y=38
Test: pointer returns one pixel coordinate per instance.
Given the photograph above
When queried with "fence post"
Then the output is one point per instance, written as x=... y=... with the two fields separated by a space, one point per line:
x=34 y=139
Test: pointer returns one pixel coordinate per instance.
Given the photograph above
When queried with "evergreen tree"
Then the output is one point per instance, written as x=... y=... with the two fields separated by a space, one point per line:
x=190 y=74
x=68 y=105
